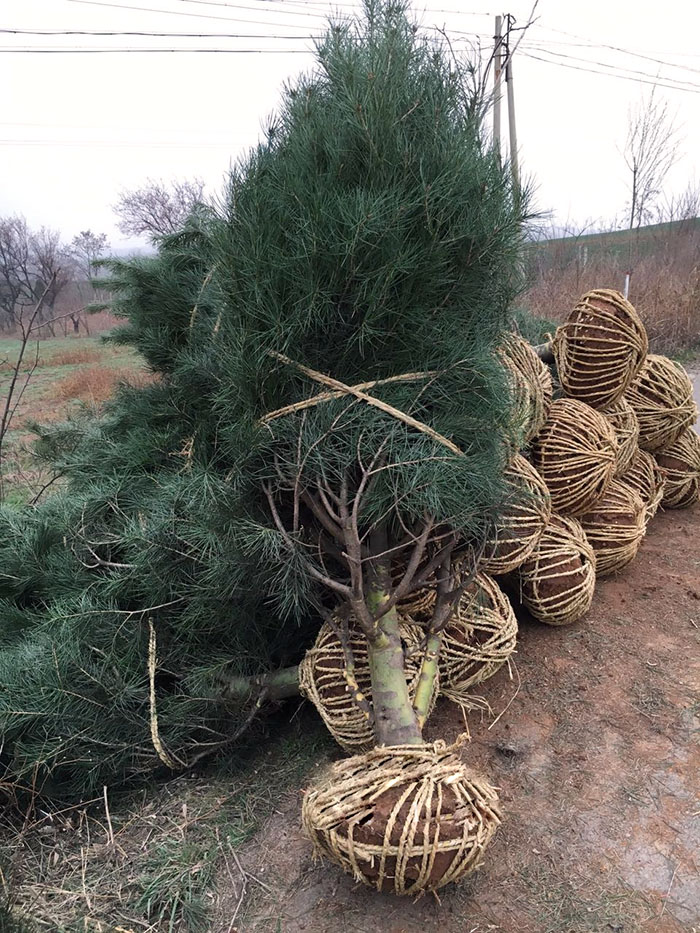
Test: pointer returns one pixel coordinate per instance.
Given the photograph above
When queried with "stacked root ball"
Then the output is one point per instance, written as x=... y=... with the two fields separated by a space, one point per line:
x=594 y=466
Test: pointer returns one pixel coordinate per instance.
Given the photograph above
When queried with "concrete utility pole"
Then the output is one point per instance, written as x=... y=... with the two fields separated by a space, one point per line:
x=497 y=71
x=514 y=168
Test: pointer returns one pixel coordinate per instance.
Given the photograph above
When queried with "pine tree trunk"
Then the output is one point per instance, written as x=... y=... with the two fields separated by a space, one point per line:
x=395 y=721
x=278 y=685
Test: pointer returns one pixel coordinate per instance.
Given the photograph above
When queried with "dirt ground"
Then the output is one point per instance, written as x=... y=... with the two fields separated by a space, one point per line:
x=597 y=759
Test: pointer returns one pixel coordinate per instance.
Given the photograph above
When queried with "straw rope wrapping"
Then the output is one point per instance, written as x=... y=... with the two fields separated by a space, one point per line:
x=324 y=680
x=575 y=453
x=600 y=348
x=523 y=520
x=531 y=385
x=557 y=582
x=478 y=640
x=662 y=397
x=681 y=463
x=615 y=528
x=404 y=819
x=648 y=481
x=621 y=416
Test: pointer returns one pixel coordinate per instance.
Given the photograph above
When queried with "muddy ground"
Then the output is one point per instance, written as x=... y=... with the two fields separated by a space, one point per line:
x=596 y=755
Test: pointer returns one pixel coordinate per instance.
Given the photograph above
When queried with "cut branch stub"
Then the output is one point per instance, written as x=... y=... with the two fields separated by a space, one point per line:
x=404 y=819
x=575 y=453
x=615 y=527
x=600 y=348
x=556 y=583
x=680 y=462
x=662 y=398
x=526 y=513
x=342 y=692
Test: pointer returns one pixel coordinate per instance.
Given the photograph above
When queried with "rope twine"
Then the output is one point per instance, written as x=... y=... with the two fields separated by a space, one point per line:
x=557 y=582
x=681 y=464
x=621 y=416
x=477 y=641
x=600 y=348
x=404 y=819
x=341 y=700
x=523 y=521
x=662 y=398
x=161 y=751
x=575 y=453
x=340 y=388
x=648 y=480
x=615 y=528
x=531 y=385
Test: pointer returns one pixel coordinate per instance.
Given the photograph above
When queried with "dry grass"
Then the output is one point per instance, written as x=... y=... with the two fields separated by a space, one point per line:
x=160 y=860
x=665 y=287
x=71 y=356
x=95 y=384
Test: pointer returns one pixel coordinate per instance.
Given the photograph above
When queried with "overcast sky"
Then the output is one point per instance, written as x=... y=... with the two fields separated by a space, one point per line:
x=77 y=128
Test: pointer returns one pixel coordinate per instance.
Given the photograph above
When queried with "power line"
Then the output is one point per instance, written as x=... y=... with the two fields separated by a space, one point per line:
x=588 y=61
x=610 y=74
x=125 y=51
x=227 y=19
x=166 y=35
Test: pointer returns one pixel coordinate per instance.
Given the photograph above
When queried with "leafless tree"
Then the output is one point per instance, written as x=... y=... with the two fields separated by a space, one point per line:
x=651 y=149
x=16 y=272
x=87 y=248
x=158 y=208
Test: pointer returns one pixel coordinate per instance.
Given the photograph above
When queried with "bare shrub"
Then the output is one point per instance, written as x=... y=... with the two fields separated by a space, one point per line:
x=72 y=355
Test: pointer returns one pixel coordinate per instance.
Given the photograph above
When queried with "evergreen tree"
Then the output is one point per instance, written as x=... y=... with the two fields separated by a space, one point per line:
x=369 y=241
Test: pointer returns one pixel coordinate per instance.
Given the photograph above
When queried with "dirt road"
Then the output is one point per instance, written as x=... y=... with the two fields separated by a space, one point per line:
x=598 y=764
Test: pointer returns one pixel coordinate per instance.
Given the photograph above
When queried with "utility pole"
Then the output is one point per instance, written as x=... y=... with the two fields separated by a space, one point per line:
x=514 y=168
x=498 y=68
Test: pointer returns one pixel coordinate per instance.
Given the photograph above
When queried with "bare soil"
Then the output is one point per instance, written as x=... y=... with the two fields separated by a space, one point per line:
x=594 y=747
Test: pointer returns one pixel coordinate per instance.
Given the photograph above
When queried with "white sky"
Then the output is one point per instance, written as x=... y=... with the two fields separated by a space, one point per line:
x=77 y=128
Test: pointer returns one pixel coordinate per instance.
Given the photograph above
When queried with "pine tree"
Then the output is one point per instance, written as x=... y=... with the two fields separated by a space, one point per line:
x=370 y=240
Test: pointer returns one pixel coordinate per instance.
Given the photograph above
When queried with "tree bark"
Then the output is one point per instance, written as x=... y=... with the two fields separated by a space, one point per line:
x=395 y=721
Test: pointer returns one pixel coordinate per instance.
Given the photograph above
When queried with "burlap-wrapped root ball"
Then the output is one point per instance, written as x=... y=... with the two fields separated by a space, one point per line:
x=615 y=527
x=531 y=386
x=624 y=421
x=403 y=819
x=600 y=348
x=681 y=463
x=557 y=582
x=323 y=681
x=575 y=453
x=647 y=479
x=662 y=398
x=526 y=512
x=477 y=641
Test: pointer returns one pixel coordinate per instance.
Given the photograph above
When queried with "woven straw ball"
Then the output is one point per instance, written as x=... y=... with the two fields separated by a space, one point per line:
x=624 y=421
x=531 y=386
x=615 y=527
x=681 y=463
x=600 y=348
x=527 y=510
x=557 y=582
x=323 y=680
x=662 y=398
x=403 y=819
x=575 y=453
x=478 y=640
x=647 y=479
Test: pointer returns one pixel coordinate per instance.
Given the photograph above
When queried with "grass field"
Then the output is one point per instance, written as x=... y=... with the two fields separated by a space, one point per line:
x=56 y=377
